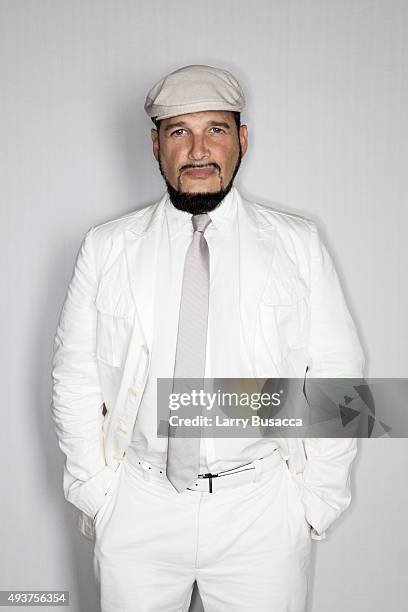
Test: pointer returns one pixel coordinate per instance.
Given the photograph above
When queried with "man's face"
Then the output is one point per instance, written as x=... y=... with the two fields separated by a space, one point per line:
x=199 y=153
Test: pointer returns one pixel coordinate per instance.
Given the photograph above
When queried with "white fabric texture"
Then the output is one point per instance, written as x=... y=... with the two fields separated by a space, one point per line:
x=247 y=546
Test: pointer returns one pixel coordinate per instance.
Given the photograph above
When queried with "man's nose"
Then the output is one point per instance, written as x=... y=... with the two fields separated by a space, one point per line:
x=199 y=149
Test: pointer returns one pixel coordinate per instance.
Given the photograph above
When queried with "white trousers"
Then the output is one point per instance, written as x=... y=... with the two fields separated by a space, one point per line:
x=248 y=546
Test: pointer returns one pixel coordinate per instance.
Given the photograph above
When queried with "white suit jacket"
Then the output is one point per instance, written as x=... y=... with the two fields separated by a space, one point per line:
x=293 y=319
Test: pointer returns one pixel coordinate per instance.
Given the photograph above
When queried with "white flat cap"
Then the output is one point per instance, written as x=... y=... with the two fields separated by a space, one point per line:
x=194 y=88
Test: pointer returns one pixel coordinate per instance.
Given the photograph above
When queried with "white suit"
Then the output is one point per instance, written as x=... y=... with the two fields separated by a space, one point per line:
x=293 y=317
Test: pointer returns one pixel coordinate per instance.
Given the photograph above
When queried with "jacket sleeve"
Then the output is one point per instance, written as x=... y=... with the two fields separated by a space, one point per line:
x=334 y=352
x=77 y=401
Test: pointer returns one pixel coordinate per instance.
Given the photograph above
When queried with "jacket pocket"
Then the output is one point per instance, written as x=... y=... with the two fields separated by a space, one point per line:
x=284 y=317
x=114 y=325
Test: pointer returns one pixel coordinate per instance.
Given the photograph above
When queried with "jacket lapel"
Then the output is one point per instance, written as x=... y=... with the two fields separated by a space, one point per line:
x=256 y=248
x=142 y=248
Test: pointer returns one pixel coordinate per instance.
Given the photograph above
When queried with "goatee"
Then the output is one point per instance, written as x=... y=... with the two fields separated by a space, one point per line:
x=199 y=203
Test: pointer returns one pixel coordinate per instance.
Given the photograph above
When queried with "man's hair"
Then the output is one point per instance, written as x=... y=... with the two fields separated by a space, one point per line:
x=237 y=118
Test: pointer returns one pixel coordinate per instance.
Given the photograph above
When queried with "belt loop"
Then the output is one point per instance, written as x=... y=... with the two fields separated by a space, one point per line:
x=258 y=469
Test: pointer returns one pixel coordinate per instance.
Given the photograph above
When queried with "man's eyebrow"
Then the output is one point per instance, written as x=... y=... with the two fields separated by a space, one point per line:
x=212 y=122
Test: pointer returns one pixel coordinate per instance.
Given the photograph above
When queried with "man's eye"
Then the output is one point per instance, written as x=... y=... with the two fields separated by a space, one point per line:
x=177 y=132
x=219 y=130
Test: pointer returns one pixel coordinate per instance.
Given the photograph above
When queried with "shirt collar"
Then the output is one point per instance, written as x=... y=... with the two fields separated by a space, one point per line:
x=177 y=220
x=222 y=217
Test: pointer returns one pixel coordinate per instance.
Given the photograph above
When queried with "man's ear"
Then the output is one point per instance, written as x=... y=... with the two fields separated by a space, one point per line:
x=155 y=142
x=243 y=138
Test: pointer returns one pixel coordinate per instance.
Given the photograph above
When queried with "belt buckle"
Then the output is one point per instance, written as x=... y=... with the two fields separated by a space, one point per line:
x=210 y=479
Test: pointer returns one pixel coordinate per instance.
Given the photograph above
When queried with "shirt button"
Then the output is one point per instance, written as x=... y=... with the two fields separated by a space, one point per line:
x=123 y=428
x=133 y=391
x=145 y=348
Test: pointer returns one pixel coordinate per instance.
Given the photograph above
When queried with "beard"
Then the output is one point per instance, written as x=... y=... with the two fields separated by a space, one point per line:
x=199 y=203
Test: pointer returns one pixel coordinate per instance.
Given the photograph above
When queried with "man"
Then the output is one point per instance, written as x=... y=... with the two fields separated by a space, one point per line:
x=201 y=283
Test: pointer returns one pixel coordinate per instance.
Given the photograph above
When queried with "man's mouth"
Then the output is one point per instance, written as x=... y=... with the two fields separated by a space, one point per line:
x=200 y=172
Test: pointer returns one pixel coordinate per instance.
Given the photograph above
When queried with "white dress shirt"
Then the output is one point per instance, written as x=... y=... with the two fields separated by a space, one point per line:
x=224 y=356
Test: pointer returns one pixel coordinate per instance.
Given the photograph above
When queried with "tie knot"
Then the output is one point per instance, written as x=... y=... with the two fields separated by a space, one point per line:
x=201 y=222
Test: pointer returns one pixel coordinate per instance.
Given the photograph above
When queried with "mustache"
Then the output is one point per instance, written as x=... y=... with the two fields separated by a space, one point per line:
x=190 y=166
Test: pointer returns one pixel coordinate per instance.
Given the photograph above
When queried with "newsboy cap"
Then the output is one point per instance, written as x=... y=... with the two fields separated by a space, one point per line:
x=194 y=88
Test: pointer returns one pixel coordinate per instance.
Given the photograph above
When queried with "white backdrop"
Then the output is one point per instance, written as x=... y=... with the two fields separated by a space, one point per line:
x=326 y=84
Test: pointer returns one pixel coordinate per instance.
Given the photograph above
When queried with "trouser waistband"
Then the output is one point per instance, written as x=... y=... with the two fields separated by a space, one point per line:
x=210 y=483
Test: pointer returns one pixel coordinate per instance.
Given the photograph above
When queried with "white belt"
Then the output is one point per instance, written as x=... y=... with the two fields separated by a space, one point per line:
x=210 y=483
